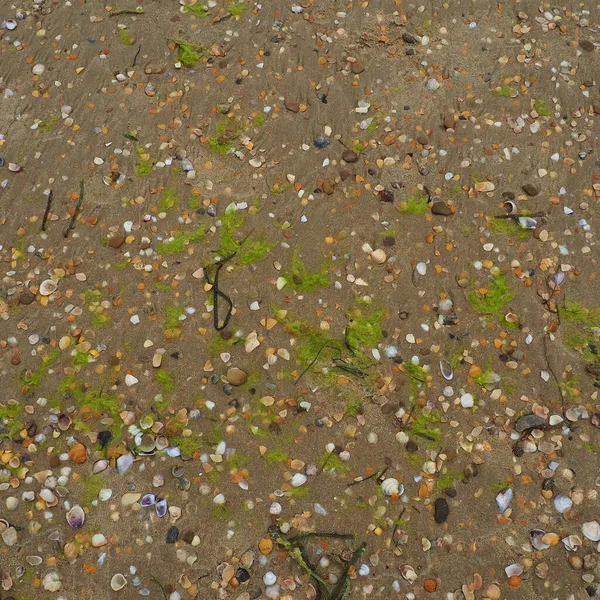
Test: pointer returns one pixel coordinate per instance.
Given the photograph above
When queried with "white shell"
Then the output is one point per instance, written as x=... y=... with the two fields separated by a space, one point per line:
x=562 y=503
x=408 y=573
x=572 y=542
x=298 y=479
x=503 y=499
x=118 y=582
x=591 y=530
x=390 y=486
x=48 y=287
x=513 y=570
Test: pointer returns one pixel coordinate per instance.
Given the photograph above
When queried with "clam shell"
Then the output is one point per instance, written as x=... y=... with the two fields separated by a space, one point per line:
x=536 y=539
x=446 y=370
x=118 y=582
x=148 y=500
x=64 y=422
x=562 y=503
x=76 y=517
x=100 y=465
x=514 y=570
x=161 y=508
x=591 y=530
x=48 y=287
x=390 y=486
x=124 y=462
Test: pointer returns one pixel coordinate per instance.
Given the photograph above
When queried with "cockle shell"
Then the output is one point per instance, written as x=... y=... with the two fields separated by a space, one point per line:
x=48 y=287
x=591 y=530
x=390 y=486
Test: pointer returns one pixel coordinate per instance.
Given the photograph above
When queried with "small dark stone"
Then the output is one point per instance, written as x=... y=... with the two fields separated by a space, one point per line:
x=388 y=408
x=441 y=209
x=54 y=462
x=116 y=241
x=321 y=142
x=292 y=106
x=450 y=492
x=227 y=389
x=254 y=592
x=389 y=241
x=242 y=575
x=409 y=38
x=508 y=195
x=529 y=422
x=104 y=437
x=423 y=139
x=449 y=122
x=411 y=446
x=371 y=171
x=357 y=68
x=345 y=174
x=349 y=156
x=328 y=186
x=386 y=196
x=441 y=510
x=530 y=189
x=587 y=45
x=188 y=536
x=26 y=297
x=548 y=484
x=172 y=534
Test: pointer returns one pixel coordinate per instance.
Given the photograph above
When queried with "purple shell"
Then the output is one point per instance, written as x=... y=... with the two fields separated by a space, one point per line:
x=148 y=500
x=76 y=517
x=161 y=508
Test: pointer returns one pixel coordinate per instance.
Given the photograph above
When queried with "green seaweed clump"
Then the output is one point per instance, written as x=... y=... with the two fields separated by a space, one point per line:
x=251 y=250
x=493 y=301
x=168 y=200
x=143 y=166
x=226 y=132
x=421 y=426
x=200 y=10
x=414 y=205
x=180 y=240
x=237 y=9
x=507 y=227
x=540 y=108
x=304 y=280
x=126 y=37
x=164 y=379
x=189 y=54
x=35 y=378
x=48 y=124
x=364 y=330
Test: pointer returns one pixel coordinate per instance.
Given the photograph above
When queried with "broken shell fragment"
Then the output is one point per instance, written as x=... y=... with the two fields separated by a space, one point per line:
x=161 y=508
x=408 y=573
x=446 y=370
x=536 y=538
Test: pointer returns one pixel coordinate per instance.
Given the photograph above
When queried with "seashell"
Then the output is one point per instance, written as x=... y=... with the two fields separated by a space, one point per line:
x=52 y=582
x=100 y=465
x=378 y=256
x=118 y=582
x=99 y=540
x=572 y=542
x=105 y=494
x=76 y=517
x=298 y=479
x=446 y=370
x=536 y=538
x=591 y=530
x=72 y=550
x=9 y=536
x=390 y=486
x=408 y=573
x=130 y=498
x=562 y=503
x=162 y=442
x=265 y=545
x=514 y=570
x=64 y=422
x=124 y=462
x=77 y=453
x=47 y=496
x=510 y=207
x=503 y=499
x=161 y=508
x=148 y=500
x=48 y=287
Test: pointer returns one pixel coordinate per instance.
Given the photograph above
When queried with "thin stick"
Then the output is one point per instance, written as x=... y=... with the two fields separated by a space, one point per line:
x=339 y=592
x=47 y=211
x=126 y=11
x=562 y=397
x=339 y=536
x=71 y=225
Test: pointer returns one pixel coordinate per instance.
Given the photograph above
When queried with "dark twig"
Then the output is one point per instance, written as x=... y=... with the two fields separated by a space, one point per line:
x=136 y=55
x=314 y=360
x=321 y=534
x=339 y=591
x=73 y=220
x=558 y=386
x=47 y=211
x=377 y=475
x=126 y=11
